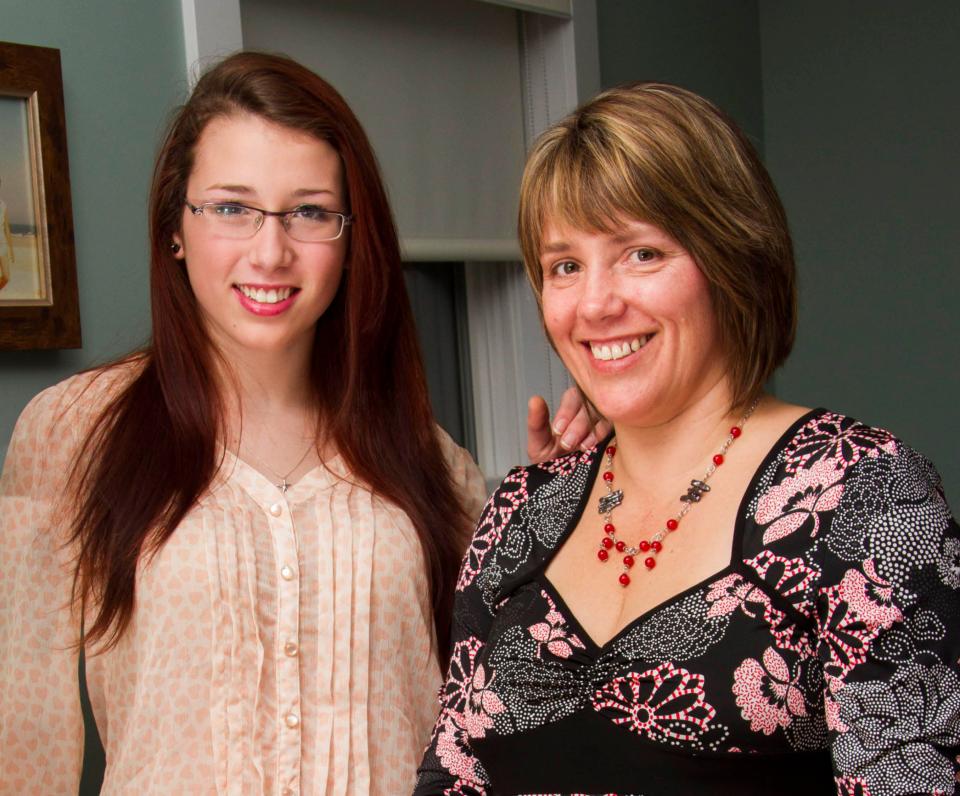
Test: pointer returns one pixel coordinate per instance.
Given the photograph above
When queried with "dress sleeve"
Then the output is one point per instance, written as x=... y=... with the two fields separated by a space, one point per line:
x=41 y=726
x=449 y=765
x=888 y=617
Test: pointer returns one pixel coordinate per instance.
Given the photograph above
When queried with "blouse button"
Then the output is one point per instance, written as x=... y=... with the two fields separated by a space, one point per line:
x=286 y=572
x=276 y=509
x=291 y=649
x=292 y=720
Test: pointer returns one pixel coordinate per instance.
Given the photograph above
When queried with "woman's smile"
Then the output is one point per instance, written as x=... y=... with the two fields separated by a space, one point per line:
x=266 y=300
x=631 y=316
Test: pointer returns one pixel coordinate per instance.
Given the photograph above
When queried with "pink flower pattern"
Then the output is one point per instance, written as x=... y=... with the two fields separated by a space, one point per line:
x=482 y=704
x=732 y=592
x=453 y=749
x=665 y=703
x=799 y=500
x=768 y=695
x=869 y=596
x=852 y=786
x=837 y=438
x=554 y=633
x=846 y=636
x=564 y=465
x=494 y=518
x=793 y=577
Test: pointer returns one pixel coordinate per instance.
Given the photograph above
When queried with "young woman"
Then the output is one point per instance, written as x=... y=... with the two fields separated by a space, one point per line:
x=734 y=594
x=253 y=526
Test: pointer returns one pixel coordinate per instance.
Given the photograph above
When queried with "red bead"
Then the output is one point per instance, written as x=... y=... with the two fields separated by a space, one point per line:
x=656 y=546
x=736 y=431
x=603 y=555
x=672 y=525
x=611 y=449
x=608 y=476
x=621 y=546
x=608 y=528
x=644 y=545
x=624 y=579
x=607 y=542
x=628 y=561
x=718 y=459
x=649 y=563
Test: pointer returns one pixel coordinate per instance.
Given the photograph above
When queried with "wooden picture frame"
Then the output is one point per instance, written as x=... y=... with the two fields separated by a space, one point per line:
x=39 y=306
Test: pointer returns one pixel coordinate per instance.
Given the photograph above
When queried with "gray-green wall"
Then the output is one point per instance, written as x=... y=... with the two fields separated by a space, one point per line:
x=861 y=118
x=123 y=69
x=855 y=106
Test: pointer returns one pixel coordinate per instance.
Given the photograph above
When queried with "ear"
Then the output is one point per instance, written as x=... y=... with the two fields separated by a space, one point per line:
x=177 y=247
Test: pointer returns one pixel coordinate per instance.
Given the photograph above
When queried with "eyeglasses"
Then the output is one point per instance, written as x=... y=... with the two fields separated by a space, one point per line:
x=306 y=223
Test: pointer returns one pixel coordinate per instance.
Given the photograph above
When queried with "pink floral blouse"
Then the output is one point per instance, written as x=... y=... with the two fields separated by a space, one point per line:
x=281 y=644
x=822 y=659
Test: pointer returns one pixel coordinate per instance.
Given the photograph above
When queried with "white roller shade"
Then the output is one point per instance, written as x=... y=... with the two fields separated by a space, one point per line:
x=437 y=85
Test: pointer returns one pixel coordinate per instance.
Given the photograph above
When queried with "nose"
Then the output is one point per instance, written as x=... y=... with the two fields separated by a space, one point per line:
x=602 y=296
x=271 y=247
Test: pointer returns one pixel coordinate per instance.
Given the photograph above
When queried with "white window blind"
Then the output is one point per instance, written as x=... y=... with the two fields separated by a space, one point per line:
x=437 y=86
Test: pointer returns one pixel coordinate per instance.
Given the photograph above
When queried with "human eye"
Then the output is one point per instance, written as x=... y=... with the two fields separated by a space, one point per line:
x=230 y=212
x=645 y=255
x=564 y=268
x=312 y=214
x=229 y=209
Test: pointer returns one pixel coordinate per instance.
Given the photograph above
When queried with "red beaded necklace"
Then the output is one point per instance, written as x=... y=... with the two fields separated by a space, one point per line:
x=614 y=497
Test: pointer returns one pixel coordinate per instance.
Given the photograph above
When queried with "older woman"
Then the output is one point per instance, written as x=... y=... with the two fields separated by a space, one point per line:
x=732 y=594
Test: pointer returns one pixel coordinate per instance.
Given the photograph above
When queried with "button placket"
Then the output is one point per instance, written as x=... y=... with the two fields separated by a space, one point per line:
x=288 y=633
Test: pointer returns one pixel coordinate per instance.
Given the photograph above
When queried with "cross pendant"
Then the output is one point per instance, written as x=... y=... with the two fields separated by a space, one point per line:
x=283 y=486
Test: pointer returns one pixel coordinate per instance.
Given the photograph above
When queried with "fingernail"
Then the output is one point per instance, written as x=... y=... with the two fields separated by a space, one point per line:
x=568 y=441
x=589 y=442
x=560 y=425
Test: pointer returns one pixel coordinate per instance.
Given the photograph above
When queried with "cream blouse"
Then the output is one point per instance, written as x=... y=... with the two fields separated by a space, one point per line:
x=280 y=644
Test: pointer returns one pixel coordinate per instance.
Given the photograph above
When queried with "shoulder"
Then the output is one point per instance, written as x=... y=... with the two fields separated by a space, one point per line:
x=842 y=440
x=524 y=520
x=466 y=476
x=58 y=418
x=842 y=448
x=538 y=481
x=860 y=490
x=74 y=402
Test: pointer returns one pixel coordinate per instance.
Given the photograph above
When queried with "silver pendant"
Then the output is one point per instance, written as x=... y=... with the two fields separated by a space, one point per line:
x=695 y=492
x=609 y=502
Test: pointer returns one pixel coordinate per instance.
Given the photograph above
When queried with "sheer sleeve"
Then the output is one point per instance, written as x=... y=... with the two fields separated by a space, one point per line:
x=888 y=616
x=465 y=474
x=41 y=727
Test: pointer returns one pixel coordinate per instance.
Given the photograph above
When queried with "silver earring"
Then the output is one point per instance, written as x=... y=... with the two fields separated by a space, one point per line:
x=175 y=248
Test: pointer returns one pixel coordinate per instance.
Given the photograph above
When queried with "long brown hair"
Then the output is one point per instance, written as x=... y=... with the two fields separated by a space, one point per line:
x=366 y=370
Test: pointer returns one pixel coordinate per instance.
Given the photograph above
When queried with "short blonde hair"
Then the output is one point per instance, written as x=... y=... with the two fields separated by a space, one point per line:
x=664 y=155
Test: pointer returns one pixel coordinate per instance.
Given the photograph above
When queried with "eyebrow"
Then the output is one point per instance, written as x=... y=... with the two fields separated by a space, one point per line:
x=620 y=239
x=246 y=190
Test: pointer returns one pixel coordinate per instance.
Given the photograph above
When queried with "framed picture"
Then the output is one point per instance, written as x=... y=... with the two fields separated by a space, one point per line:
x=38 y=270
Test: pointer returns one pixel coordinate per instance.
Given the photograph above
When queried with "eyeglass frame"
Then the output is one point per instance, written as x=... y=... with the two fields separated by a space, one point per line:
x=346 y=219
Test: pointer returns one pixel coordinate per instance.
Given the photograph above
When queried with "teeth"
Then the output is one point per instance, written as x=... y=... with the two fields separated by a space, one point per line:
x=262 y=296
x=619 y=350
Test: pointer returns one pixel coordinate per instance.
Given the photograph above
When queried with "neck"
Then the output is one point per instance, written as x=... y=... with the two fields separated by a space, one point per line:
x=681 y=444
x=261 y=386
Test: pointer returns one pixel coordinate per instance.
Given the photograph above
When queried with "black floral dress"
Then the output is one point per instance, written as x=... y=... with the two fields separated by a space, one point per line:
x=823 y=658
